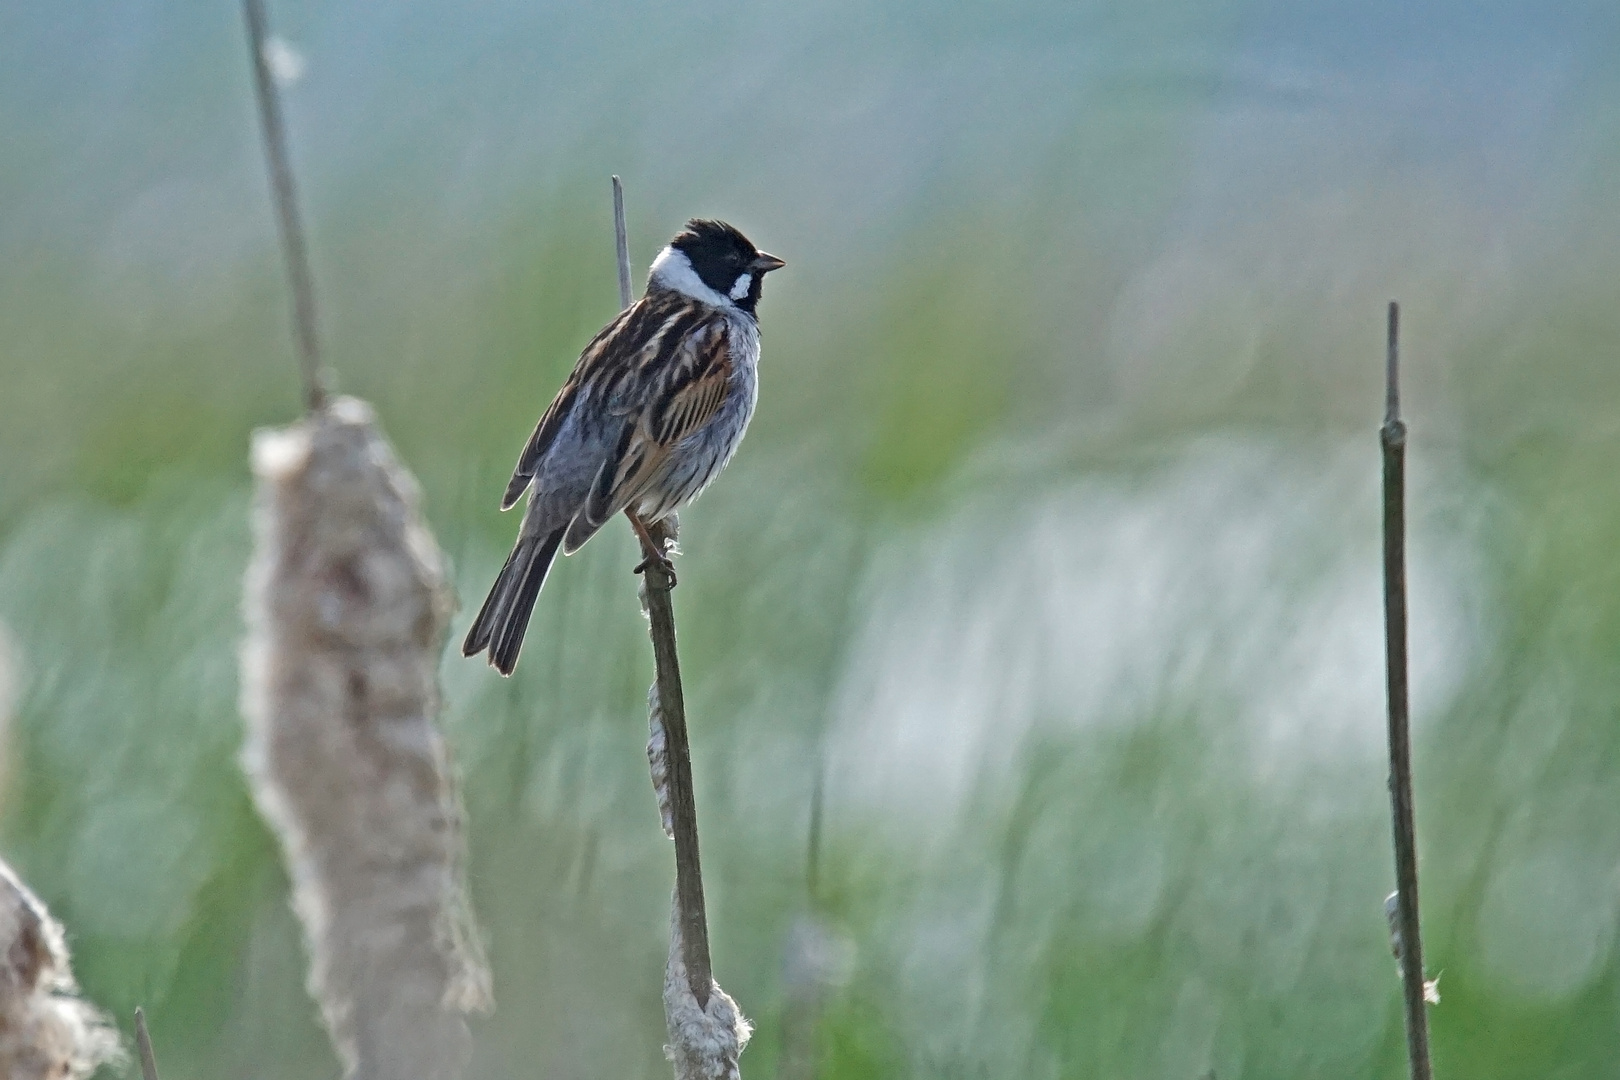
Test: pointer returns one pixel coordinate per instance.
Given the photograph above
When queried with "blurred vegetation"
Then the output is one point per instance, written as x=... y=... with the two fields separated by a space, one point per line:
x=1055 y=537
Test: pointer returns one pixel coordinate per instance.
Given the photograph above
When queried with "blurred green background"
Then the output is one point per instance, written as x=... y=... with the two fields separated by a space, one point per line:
x=1053 y=546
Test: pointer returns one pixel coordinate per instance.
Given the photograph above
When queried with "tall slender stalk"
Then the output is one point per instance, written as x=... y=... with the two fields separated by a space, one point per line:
x=812 y=853
x=347 y=604
x=285 y=195
x=694 y=927
x=143 y=1045
x=805 y=973
x=621 y=239
x=683 y=808
x=1392 y=435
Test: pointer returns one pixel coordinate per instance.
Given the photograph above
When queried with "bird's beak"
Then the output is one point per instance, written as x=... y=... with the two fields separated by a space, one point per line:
x=764 y=263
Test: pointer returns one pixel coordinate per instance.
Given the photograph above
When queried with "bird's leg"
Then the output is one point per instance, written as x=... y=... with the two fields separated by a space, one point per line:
x=653 y=549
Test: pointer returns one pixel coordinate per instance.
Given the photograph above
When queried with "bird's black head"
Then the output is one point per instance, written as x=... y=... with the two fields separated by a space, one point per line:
x=725 y=260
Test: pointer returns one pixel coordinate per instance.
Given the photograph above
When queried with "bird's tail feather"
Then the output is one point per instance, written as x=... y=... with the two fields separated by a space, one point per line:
x=504 y=618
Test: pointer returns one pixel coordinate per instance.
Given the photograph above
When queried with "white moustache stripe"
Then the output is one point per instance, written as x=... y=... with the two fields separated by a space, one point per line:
x=673 y=270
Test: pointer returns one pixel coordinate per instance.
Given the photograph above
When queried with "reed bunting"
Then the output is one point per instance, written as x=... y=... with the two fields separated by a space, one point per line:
x=652 y=413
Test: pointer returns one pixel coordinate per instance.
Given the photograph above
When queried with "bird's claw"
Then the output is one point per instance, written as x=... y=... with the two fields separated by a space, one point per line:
x=663 y=564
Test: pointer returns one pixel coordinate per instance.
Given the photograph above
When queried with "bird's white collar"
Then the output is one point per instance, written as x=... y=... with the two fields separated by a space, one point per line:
x=673 y=270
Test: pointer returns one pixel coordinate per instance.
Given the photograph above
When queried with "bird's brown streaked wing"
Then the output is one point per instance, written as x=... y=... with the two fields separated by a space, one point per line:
x=699 y=385
x=683 y=344
x=686 y=390
x=599 y=506
x=545 y=431
x=618 y=345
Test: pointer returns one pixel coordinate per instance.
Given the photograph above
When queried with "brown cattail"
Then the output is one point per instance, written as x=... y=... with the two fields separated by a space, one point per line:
x=46 y=1031
x=347 y=609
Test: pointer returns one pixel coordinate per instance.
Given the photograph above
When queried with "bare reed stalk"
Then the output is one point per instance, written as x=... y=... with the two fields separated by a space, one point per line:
x=143 y=1045
x=285 y=196
x=707 y=1032
x=1393 y=438
x=347 y=608
x=621 y=240
x=9 y=675
x=671 y=710
x=804 y=964
x=46 y=1031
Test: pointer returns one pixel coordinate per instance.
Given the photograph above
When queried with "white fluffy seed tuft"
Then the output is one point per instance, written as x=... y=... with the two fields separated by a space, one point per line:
x=347 y=608
x=704 y=1043
x=46 y=1031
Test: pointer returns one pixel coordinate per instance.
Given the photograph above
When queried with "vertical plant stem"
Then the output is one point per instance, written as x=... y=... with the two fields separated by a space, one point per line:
x=683 y=809
x=621 y=238
x=812 y=855
x=804 y=968
x=285 y=196
x=143 y=1044
x=672 y=709
x=1393 y=438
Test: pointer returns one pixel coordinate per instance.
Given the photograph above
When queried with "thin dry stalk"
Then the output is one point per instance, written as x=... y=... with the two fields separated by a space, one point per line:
x=46 y=1031
x=143 y=1043
x=707 y=1031
x=347 y=608
x=805 y=972
x=671 y=710
x=621 y=239
x=285 y=196
x=1392 y=435
x=668 y=704
x=9 y=674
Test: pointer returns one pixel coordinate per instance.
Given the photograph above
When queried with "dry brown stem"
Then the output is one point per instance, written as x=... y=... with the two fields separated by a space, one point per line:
x=284 y=195
x=706 y=1029
x=143 y=1046
x=673 y=780
x=1392 y=437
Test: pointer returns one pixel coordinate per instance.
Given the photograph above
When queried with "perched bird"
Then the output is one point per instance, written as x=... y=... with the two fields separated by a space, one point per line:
x=653 y=411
